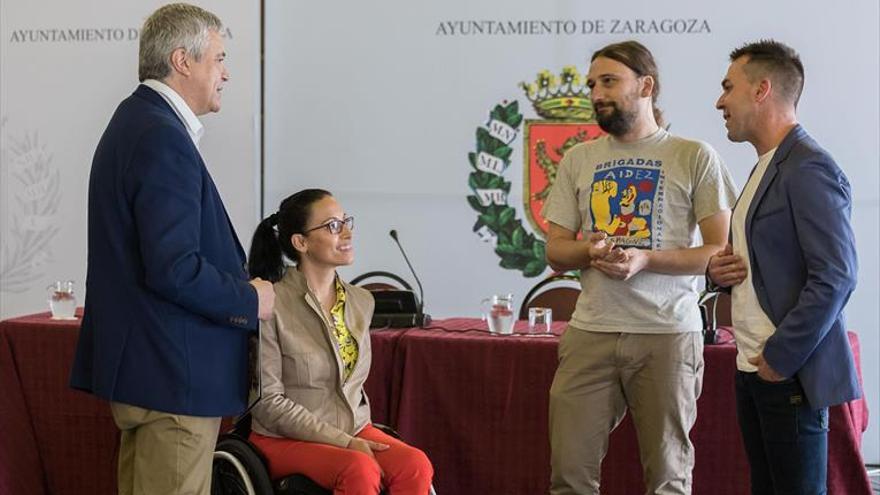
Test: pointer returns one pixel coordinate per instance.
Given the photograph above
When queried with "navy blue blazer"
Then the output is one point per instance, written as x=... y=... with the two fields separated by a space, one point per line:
x=168 y=307
x=803 y=260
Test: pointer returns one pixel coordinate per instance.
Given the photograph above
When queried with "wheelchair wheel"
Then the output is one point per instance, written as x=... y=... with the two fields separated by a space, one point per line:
x=238 y=470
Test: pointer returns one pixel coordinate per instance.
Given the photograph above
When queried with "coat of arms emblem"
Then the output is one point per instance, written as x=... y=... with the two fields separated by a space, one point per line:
x=567 y=119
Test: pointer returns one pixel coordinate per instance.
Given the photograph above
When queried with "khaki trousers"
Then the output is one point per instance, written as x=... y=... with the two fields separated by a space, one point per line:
x=162 y=453
x=657 y=376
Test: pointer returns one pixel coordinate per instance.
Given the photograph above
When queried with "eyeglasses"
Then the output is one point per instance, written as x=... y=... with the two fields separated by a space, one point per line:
x=334 y=226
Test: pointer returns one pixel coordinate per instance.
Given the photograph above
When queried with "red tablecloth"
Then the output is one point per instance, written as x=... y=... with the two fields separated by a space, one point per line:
x=54 y=440
x=381 y=384
x=476 y=403
x=71 y=433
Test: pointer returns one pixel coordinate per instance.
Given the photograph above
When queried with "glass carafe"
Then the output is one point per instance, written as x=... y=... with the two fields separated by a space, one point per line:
x=62 y=302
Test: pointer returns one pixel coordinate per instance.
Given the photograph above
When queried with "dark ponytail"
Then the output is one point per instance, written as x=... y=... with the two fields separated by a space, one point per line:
x=270 y=245
x=265 y=260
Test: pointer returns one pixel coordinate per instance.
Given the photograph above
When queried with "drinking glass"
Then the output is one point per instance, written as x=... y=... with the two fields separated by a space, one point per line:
x=540 y=320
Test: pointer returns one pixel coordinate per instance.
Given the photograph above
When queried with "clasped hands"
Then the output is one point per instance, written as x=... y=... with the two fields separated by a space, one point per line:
x=612 y=260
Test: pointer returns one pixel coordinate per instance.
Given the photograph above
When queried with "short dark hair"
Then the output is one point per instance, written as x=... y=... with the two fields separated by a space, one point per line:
x=639 y=60
x=776 y=61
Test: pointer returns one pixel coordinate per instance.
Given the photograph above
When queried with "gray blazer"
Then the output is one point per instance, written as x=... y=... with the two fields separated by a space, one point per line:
x=304 y=396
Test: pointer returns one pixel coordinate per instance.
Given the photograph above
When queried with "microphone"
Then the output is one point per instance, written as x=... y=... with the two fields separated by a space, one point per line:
x=424 y=319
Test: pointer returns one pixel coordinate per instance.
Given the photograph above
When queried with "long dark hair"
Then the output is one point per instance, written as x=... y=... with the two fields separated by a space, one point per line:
x=269 y=246
x=640 y=60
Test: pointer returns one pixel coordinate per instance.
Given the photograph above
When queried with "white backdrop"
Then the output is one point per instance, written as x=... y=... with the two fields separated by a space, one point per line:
x=379 y=102
x=65 y=68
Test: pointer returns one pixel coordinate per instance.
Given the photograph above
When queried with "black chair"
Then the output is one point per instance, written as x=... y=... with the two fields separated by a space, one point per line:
x=396 y=303
x=380 y=285
x=241 y=469
x=558 y=292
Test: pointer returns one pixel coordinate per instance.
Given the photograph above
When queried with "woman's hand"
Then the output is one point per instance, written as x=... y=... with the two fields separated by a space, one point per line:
x=367 y=446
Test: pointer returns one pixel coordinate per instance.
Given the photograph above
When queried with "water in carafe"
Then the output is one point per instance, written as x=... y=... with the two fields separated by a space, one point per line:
x=62 y=302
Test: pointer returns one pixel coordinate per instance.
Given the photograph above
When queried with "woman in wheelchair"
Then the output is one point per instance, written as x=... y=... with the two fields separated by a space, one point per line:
x=314 y=416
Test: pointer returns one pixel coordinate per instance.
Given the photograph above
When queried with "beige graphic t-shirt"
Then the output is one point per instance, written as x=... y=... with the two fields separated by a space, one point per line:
x=648 y=194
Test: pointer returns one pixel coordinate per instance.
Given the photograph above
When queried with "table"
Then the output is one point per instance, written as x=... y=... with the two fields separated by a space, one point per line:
x=476 y=403
x=56 y=440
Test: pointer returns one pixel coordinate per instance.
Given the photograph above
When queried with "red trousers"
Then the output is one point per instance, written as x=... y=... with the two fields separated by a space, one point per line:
x=402 y=469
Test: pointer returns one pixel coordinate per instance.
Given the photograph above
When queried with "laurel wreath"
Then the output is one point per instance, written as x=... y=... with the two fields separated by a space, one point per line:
x=518 y=249
x=27 y=247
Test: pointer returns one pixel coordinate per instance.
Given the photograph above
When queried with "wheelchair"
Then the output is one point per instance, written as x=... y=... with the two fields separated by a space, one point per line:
x=241 y=469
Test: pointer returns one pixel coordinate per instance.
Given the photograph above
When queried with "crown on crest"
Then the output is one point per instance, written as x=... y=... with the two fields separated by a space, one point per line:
x=563 y=97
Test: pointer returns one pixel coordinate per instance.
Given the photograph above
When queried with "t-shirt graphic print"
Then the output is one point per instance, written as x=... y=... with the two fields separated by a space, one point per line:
x=623 y=199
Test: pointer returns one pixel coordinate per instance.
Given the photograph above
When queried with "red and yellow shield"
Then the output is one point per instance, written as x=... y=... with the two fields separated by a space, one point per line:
x=546 y=141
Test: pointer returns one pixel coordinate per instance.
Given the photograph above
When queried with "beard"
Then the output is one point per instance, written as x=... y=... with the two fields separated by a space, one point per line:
x=616 y=123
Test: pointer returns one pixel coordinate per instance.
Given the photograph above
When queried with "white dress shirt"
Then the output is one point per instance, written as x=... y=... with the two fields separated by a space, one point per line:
x=193 y=125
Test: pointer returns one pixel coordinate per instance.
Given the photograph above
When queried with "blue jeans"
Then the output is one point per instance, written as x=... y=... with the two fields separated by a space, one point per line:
x=786 y=440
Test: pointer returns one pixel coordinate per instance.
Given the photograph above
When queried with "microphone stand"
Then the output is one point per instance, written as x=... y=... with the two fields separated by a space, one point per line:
x=423 y=319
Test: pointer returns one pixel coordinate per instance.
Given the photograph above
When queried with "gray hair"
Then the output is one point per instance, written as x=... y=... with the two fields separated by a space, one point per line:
x=176 y=25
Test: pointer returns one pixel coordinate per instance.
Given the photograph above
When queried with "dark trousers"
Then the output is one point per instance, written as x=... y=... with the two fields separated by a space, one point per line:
x=786 y=440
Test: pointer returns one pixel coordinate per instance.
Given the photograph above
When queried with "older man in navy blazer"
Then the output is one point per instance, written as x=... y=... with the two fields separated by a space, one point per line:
x=791 y=267
x=169 y=308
